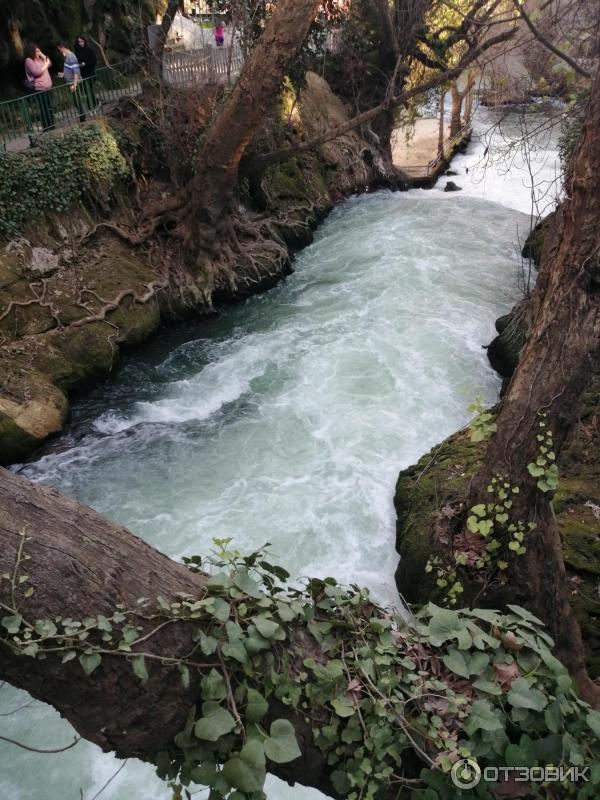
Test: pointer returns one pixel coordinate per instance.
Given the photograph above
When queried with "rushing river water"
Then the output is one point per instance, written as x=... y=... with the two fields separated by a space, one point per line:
x=288 y=418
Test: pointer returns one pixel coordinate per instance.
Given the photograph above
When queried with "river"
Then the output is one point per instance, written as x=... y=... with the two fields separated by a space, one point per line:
x=288 y=418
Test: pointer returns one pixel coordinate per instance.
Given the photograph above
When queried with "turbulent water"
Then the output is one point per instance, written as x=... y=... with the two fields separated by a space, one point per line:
x=287 y=419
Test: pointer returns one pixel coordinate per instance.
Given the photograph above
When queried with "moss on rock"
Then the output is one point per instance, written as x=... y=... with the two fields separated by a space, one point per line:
x=444 y=474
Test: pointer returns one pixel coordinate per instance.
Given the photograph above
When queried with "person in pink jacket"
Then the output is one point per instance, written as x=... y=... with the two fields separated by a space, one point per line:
x=38 y=80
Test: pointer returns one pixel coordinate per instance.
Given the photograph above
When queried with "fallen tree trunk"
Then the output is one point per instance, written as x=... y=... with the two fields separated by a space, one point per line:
x=160 y=662
x=81 y=564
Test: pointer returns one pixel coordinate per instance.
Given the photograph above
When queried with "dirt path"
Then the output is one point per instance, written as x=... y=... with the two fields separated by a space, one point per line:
x=422 y=147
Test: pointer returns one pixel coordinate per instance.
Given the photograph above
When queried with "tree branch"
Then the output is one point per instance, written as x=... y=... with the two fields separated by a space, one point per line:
x=259 y=163
x=548 y=44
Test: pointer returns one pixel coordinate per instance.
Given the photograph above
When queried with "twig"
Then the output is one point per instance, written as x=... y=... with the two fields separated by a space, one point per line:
x=37 y=749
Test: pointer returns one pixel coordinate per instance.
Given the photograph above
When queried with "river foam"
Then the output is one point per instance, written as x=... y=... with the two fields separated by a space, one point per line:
x=287 y=420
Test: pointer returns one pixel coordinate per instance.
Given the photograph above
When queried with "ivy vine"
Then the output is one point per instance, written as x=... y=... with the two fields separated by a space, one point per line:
x=60 y=172
x=381 y=693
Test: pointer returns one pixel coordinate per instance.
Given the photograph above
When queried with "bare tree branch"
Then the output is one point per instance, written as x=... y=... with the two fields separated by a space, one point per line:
x=548 y=44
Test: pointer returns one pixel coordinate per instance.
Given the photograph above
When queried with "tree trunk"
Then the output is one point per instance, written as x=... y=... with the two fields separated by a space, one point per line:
x=551 y=377
x=457 y=98
x=468 y=110
x=441 y=126
x=243 y=112
x=80 y=564
x=162 y=35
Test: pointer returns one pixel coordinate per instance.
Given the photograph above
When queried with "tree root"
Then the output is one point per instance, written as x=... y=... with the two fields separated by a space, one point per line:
x=39 y=299
x=100 y=316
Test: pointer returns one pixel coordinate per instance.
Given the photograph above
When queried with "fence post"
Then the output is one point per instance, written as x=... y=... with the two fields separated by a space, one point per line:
x=27 y=119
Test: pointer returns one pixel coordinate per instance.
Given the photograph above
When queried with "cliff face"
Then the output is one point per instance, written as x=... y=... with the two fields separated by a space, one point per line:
x=72 y=293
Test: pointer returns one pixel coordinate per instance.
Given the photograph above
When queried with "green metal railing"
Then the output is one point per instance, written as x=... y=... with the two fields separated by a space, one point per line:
x=23 y=120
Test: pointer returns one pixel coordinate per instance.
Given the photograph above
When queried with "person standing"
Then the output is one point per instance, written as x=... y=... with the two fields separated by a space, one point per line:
x=38 y=80
x=219 y=33
x=72 y=76
x=87 y=66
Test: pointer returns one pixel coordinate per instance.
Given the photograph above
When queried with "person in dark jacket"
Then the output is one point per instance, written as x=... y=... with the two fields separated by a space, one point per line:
x=87 y=64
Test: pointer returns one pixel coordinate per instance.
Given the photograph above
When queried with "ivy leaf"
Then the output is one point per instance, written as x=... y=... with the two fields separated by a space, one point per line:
x=235 y=650
x=257 y=706
x=216 y=722
x=185 y=675
x=479 y=510
x=534 y=470
x=482 y=717
x=281 y=745
x=90 y=661
x=213 y=686
x=444 y=624
x=139 y=668
x=247 y=585
x=526 y=615
x=221 y=610
x=593 y=720
x=522 y=695
x=455 y=661
x=45 y=628
x=247 y=771
x=268 y=628
x=12 y=623
x=341 y=782
x=343 y=707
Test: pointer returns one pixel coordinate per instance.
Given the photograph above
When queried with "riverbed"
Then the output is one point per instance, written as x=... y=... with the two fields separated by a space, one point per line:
x=287 y=419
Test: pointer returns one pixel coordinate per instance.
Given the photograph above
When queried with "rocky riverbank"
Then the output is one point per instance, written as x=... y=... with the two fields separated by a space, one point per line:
x=442 y=476
x=73 y=294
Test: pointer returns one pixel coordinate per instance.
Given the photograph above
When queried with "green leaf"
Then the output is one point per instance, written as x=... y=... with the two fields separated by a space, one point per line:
x=185 y=675
x=12 y=623
x=235 y=650
x=534 y=470
x=343 y=707
x=526 y=615
x=247 y=585
x=341 y=782
x=455 y=661
x=473 y=524
x=221 y=610
x=479 y=510
x=489 y=687
x=139 y=668
x=247 y=771
x=213 y=686
x=268 y=628
x=281 y=746
x=444 y=624
x=90 y=661
x=257 y=706
x=208 y=644
x=45 y=628
x=522 y=695
x=593 y=720
x=285 y=612
x=482 y=717
x=215 y=722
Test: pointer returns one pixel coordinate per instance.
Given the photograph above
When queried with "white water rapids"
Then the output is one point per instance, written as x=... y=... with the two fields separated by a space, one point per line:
x=288 y=418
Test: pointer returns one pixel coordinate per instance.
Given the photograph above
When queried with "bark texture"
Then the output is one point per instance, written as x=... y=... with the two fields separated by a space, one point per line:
x=82 y=564
x=553 y=373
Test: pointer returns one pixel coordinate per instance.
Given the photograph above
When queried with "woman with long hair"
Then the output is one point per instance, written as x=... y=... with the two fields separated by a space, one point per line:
x=38 y=80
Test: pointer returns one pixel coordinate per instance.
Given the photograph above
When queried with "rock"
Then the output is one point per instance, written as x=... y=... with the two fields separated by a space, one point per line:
x=444 y=474
x=452 y=187
x=513 y=328
x=535 y=241
x=450 y=172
